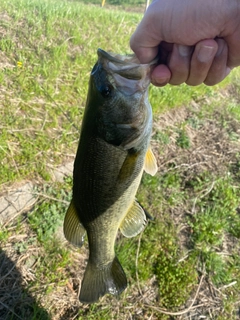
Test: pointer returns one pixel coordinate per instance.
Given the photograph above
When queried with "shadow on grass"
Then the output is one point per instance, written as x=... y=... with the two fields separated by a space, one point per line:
x=15 y=300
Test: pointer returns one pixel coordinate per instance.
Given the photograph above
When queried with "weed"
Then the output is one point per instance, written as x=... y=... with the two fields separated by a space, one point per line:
x=51 y=264
x=217 y=211
x=4 y=234
x=183 y=140
x=161 y=137
x=48 y=215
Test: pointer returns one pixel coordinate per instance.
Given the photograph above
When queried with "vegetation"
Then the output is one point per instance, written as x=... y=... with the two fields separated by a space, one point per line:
x=185 y=265
x=115 y=2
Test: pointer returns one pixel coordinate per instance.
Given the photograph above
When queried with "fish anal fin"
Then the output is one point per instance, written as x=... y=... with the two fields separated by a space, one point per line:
x=99 y=281
x=150 y=164
x=134 y=222
x=73 y=230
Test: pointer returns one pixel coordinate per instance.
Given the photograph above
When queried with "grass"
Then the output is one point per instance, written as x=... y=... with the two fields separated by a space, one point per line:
x=47 y=49
x=47 y=56
x=116 y=2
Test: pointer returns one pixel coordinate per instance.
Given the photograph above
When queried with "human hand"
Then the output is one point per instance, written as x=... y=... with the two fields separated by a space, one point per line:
x=205 y=62
x=195 y=41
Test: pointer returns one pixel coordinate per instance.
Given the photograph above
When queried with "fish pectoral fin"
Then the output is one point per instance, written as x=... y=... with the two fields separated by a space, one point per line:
x=134 y=222
x=73 y=230
x=150 y=164
x=128 y=167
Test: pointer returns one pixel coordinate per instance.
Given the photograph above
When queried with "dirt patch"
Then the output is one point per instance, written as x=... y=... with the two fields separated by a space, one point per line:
x=210 y=144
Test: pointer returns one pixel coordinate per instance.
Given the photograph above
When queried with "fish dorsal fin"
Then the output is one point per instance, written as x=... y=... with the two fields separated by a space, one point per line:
x=73 y=230
x=150 y=164
x=134 y=222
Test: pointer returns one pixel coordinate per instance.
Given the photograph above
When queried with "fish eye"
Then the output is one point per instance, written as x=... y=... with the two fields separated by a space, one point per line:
x=106 y=91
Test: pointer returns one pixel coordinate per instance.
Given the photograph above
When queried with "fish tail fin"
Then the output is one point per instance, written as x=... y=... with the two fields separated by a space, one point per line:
x=97 y=282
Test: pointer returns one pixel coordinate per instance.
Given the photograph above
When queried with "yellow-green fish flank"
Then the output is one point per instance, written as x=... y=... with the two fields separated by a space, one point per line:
x=112 y=153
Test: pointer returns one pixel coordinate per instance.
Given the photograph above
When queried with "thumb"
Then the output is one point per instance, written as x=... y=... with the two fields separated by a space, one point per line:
x=145 y=41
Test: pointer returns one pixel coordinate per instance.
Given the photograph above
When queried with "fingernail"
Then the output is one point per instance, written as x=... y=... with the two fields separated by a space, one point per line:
x=228 y=70
x=205 y=53
x=159 y=81
x=184 y=51
x=220 y=49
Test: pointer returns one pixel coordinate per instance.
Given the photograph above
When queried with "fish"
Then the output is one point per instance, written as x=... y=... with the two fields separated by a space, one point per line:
x=113 y=151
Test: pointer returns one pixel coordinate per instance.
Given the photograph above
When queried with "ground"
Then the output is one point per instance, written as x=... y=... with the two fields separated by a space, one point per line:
x=207 y=147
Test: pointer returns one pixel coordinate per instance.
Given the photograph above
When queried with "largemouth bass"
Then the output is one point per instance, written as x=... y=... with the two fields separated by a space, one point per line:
x=112 y=153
